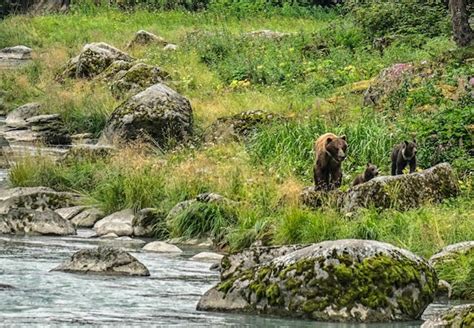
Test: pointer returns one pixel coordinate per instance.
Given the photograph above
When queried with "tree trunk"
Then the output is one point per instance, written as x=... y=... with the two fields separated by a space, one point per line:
x=463 y=33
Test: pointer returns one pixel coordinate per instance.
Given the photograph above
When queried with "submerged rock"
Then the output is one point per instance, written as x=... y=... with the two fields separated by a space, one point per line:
x=5 y=286
x=208 y=257
x=119 y=223
x=158 y=114
x=461 y=316
x=161 y=247
x=104 y=260
x=31 y=222
x=93 y=60
x=343 y=280
x=404 y=191
x=36 y=198
x=143 y=38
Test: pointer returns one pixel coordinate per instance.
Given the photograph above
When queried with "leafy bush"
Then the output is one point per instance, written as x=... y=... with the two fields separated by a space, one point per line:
x=400 y=17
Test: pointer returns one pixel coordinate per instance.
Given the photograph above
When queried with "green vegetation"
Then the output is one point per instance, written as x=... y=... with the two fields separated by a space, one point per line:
x=314 y=77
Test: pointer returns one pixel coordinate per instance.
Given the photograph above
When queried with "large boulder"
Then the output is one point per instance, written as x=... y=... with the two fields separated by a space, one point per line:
x=387 y=82
x=93 y=60
x=158 y=113
x=14 y=56
x=36 y=198
x=404 y=191
x=133 y=78
x=104 y=260
x=343 y=280
x=30 y=222
x=120 y=223
x=461 y=316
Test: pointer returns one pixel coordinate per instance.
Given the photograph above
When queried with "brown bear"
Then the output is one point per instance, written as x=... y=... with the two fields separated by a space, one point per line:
x=403 y=154
x=370 y=172
x=330 y=151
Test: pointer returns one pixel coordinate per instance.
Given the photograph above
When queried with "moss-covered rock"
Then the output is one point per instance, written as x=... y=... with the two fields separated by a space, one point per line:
x=158 y=114
x=344 y=280
x=143 y=38
x=93 y=60
x=404 y=191
x=461 y=316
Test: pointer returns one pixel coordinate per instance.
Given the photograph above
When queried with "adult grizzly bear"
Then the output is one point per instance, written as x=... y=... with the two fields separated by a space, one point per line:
x=330 y=151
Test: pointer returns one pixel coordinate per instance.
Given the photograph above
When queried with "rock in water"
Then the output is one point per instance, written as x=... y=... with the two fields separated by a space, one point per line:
x=119 y=223
x=461 y=316
x=161 y=247
x=343 y=280
x=158 y=113
x=404 y=191
x=30 y=222
x=208 y=257
x=87 y=218
x=104 y=260
x=93 y=60
x=36 y=198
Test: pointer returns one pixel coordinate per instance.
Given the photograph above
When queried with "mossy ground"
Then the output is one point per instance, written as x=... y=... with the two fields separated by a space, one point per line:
x=313 y=77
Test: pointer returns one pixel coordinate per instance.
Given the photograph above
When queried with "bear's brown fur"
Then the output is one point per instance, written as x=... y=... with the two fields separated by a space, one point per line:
x=330 y=151
x=370 y=172
x=402 y=155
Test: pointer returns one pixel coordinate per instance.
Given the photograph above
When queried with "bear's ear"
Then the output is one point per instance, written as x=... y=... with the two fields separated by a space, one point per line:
x=368 y=164
x=414 y=140
x=406 y=143
x=343 y=137
x=328 y=140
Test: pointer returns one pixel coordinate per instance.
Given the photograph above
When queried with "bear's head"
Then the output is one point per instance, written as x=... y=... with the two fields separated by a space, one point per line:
x=337 y=148
x=371 y=172
x=409 y=149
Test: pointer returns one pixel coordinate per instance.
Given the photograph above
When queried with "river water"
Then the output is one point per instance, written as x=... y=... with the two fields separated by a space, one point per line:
x=167 y=298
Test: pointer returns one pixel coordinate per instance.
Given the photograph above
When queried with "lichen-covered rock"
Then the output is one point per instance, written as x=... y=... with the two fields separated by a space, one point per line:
x=143 y=38
x=450 y=252
x=14 y=56
x=343 y=280
x=388 y=81
x=161 y=247
x=119 y=223
x=17 y=117
x=157 y=113
x=314 y=198
x=461 y=316
x=36 y=198
x=251 y=257
x=404 y=191
x=136 y=79
x=30 y=222
x=239 y=126
x=93 y=60
x=104 y=260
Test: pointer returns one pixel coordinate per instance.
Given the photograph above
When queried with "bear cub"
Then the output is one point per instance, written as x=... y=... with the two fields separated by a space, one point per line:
x=402 y=155
x=370 y=172
x=330 y=151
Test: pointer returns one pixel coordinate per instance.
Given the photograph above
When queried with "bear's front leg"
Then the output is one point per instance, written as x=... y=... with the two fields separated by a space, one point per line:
x=413 y=165
x=336 y=178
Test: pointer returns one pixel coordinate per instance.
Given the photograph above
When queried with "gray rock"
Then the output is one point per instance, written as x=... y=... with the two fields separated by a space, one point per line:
x=314 y=198
x=249 y=258
x=444 y=290
x=158 y=114
x=90 y=153
x=109 y=236
x=460 y=316
x=69 y=212
x=17 y=117
x=343 y=280
x=136 y=79
x=14 y=56
x=170 y=47
x=145 y=220
x=87 y=218
x=268 y=34
x=5 y=286
x=36 y=198
x=161 y=247
x=104 y=260
x=208 y=257
x=452 y=251
x=119 y=223
x=143 y=38
x=30 y=222
x=93 y=60
x=404 y=191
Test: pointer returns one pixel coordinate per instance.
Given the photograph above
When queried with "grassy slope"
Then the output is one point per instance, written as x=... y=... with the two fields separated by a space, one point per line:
x=266 y=174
